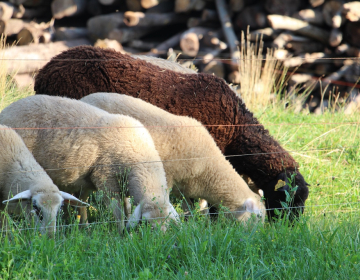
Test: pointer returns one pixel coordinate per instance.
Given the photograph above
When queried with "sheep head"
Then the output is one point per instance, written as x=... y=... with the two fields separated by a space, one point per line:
x=290 y=188
x=153 y=214
x=45 y=207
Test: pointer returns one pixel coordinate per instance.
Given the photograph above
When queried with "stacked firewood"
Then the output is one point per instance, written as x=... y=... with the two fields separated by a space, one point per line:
x=308 y=35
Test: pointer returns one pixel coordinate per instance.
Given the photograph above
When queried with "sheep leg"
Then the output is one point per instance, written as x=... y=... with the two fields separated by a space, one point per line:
x=82 y=211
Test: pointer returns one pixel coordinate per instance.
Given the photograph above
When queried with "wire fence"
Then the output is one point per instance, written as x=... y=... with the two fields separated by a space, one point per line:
x=224 y=60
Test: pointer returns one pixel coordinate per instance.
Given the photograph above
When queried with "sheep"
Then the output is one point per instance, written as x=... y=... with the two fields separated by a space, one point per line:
x=194 y=166
x=252 y=151
x=82 y=147
x=23 y=177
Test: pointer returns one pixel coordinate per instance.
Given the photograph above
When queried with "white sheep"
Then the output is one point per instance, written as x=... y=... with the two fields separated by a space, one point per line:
x=83 y=148
x=194 y=165
x=23 y=177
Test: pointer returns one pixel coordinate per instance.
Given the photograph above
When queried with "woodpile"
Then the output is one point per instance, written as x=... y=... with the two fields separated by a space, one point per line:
x=309 y=35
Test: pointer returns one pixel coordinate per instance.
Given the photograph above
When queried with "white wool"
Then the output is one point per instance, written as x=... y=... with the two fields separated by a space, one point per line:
x=23 y=179
x=194 y=165
x=81 y=160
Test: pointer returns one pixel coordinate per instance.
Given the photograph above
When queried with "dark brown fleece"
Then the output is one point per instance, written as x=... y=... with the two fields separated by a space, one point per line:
x=83 y=70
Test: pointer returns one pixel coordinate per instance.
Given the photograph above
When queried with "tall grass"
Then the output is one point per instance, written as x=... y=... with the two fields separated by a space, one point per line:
x=9 y=92
x=261 y=78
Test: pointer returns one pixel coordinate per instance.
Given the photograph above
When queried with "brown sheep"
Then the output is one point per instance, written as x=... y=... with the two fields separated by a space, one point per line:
x=82 y=70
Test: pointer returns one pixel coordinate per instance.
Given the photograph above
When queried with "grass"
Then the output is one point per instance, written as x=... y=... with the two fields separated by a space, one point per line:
x=324 y=244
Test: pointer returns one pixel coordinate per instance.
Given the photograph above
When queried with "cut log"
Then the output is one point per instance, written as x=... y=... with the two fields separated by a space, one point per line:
x=351 y=11
x=127 y=34
x=70 y=33
x=147 y=4
x=255 y=16
x=67 y=8
x=236 y=5
x=299 y=26
x=190 y=40
x=313 y=16
x=30 y=58
x=336 y=37
x=214 y=67
x=141 y=19
x=352 y=33
x=11 y=26
x=108 y=44
x=32 y=33
x=183 y=6
x=316 y=3
x=133 y=5
x=266 y=33
x=229 y=33
x=99 y=27
x=282 y=39
x=282 y=7
x=8 y=10
x=332 y=13
x=167 y=44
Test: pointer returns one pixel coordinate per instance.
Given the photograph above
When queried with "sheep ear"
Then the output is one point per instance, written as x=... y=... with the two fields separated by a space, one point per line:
x=72 y=200
x=261 y=193
x=25 y=195
x=135 y=217
x=250 y=206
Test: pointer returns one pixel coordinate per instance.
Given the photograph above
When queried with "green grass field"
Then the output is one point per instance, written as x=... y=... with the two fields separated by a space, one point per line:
x=324 y=244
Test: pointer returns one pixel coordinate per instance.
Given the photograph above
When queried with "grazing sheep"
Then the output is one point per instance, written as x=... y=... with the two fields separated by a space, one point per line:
x=23 y=177
x=194 y=166
x=86 y=148
x=82 y=70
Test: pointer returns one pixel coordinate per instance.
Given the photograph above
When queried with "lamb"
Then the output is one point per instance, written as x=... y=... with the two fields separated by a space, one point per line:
x=206 y=175
x=23 y=177
x=87 y=147
x=252 y=151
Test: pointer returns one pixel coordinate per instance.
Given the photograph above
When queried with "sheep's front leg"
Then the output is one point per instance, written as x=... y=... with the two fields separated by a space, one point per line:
x=82 y=211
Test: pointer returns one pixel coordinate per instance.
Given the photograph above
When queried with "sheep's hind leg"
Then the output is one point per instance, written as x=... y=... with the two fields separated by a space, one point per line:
x=117 y=207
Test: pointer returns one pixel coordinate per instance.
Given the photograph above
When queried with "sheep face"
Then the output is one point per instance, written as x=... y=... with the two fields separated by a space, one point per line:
x=154 y=215
x=276 y=193
x=45 y=207
x=252 y=208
